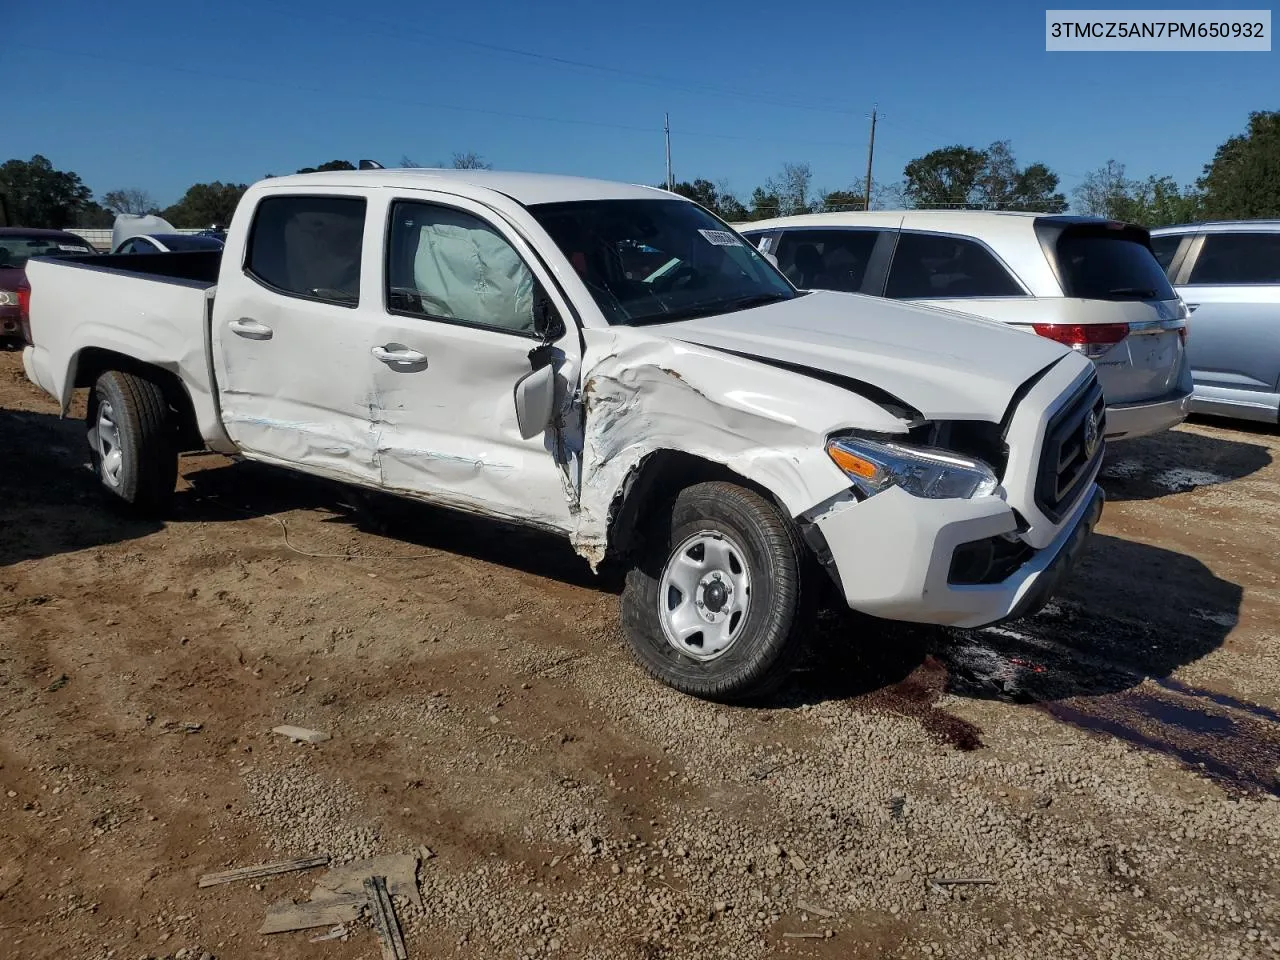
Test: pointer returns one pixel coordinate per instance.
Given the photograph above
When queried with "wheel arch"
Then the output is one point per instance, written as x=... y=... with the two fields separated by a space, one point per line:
x=90 y=363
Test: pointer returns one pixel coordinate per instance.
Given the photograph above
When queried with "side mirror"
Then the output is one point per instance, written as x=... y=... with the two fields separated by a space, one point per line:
x=535 y=399
x=547 y=323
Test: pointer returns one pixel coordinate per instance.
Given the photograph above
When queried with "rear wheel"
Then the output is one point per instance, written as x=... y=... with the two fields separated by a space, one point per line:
x=713 y=606
x=132 y=442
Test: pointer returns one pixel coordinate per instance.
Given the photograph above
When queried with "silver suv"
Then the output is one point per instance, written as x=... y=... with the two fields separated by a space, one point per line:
x=1229 y=275
x=1090 y=284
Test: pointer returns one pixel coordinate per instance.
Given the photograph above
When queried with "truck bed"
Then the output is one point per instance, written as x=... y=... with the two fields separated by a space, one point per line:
x=197 y=268
x=151 y=308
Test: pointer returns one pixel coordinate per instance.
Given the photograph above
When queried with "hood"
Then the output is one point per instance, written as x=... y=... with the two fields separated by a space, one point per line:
x=947 y=365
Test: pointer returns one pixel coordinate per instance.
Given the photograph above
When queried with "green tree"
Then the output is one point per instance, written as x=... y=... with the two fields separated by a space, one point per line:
x=1243 y=179
x=330 y=166
x=764 y=204
x=40 y=196
x=94 y=215
x=947 y=177
x=1154 y=202
x=206 y=203
x=839 y=201
x=959 y=176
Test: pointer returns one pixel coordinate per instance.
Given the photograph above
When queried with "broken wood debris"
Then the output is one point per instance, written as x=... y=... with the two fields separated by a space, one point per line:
x=816 y=911
x=956 y=881
x=814 y=935
x=399 y=869
x=262 y=870
x=301 y=734
x=384 y=919
x=335 y=934
x=287 y=915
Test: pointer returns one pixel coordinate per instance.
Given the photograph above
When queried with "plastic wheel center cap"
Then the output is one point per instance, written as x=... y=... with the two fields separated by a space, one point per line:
x=716 y=596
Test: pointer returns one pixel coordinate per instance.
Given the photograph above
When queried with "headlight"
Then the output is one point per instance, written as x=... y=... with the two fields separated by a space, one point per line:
x=874 y=466
x=9 y=298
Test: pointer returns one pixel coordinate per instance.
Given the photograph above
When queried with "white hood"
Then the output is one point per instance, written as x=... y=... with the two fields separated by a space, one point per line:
x=947 y=365
x=129 y=225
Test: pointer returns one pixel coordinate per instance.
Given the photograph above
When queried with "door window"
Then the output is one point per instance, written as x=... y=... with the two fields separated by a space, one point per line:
x=935 y=265
x=309 y=247
x=1238 y=258
x=449 y=265
x=826 y=259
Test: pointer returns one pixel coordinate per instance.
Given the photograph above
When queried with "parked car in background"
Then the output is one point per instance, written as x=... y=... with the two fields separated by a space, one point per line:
x=610 y=363
x=1090 y=284
x=17 y=246
x=168 y=243
x=1228 y=273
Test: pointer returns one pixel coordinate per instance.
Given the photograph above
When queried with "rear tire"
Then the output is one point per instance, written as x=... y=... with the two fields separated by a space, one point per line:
x=132 y=442
x=714 y=605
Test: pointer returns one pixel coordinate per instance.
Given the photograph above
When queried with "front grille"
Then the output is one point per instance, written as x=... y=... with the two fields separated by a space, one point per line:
x=1066 y=460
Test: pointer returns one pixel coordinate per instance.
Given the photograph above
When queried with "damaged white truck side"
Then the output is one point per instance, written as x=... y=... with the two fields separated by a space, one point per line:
x=608 y=362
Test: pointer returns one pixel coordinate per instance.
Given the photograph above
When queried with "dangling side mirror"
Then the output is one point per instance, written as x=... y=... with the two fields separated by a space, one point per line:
x=535 y=400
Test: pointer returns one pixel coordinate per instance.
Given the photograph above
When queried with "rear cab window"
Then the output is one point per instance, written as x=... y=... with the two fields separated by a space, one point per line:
x=1237 y=259
x=825 y=259
x=942 y=266
x=1104 y=261
x=308 y=247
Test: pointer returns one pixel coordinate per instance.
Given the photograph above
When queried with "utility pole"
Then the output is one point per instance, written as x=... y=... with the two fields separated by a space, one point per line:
x=666 y=130
x=871 y=152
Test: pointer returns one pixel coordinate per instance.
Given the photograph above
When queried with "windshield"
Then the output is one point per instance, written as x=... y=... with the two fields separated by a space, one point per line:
x=653 y=261
x=16 y=251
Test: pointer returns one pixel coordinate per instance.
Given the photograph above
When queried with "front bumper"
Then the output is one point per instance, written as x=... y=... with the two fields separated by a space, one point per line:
x=1128 y=420
x=892 y=557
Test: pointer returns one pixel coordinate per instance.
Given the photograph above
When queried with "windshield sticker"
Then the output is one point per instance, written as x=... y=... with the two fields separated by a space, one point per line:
x=72 y=248
x=721 y=238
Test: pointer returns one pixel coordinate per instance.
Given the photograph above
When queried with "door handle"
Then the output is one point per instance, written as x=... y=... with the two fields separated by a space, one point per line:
x=397 y=354
x=250 y=329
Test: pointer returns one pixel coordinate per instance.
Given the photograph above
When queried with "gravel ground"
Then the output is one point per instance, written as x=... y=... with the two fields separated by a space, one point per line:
x=1108 y=769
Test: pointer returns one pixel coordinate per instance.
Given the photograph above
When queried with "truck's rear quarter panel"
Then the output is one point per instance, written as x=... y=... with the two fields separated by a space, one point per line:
x=78 y=306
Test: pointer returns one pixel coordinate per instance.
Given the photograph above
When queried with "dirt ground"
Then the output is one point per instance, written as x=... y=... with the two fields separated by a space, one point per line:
x=1110 y=769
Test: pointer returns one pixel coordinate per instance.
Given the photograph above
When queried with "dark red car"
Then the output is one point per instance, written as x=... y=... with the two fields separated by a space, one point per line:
x=17 y=246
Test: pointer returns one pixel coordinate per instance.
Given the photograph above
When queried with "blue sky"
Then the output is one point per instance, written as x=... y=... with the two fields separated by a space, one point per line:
x=157 y=95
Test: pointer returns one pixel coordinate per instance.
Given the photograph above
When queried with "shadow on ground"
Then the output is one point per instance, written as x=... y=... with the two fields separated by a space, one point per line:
x=1101 y=657
x=1179 y=460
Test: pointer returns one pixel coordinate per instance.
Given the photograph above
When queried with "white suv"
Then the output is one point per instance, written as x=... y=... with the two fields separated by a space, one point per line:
x=1091 y=284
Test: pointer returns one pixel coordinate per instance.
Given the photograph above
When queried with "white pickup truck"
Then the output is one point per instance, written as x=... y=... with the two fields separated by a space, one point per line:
x=608 y=362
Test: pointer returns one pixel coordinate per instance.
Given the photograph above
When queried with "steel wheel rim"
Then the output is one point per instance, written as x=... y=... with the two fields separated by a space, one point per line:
x=704 y=595
x=110 y=456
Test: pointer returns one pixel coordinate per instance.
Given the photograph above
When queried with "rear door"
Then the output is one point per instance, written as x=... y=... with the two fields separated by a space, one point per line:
x=291 y=335
x=1231 y=283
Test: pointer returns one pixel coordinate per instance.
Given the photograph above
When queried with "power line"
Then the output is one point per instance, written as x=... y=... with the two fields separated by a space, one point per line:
x=398 y=31
x=431 y=104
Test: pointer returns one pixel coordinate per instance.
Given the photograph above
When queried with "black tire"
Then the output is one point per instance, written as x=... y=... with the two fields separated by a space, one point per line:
x=145 y=475
x=767 y=645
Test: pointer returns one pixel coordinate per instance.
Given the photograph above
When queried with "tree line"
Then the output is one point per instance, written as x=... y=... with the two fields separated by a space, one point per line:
x=1241 y=181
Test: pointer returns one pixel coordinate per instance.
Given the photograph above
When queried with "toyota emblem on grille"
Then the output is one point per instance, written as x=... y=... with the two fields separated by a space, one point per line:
x=1091 y=434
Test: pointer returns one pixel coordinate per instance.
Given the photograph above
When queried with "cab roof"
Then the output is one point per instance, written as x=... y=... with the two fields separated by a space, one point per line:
x=524 y=188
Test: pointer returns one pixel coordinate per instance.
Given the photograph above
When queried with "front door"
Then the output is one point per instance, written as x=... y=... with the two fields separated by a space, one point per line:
x=454 y=336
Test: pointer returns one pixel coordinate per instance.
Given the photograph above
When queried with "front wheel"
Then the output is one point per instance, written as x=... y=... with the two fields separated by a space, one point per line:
x=132 y=442
x=714 y=605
